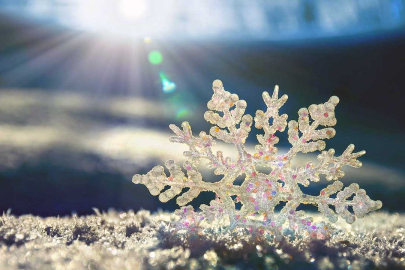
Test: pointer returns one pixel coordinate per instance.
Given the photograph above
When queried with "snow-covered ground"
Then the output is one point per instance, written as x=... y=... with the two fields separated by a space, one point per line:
x=128 y=240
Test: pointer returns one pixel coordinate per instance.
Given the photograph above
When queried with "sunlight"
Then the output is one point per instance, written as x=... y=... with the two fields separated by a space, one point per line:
x=254 y=19
x=133 y=9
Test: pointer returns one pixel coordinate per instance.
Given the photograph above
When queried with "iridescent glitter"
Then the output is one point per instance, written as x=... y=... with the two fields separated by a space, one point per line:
x=260 y=193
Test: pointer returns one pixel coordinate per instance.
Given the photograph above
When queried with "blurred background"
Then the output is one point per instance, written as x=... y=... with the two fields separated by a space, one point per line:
x=89 y=87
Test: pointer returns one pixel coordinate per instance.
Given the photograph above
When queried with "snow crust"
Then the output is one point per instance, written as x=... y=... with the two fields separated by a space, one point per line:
x=128 y=240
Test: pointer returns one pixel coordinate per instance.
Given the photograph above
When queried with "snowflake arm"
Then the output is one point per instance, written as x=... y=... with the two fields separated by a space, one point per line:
x=312 y=139
x=266 y=150
x=199 y=148
x=156 y=180
x=222 y=101
x=361 y=203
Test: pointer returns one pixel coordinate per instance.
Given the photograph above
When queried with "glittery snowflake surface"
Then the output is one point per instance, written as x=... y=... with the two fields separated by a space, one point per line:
x=260 y=193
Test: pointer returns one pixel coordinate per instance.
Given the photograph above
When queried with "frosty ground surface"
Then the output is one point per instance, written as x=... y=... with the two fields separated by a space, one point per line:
x=128 y=240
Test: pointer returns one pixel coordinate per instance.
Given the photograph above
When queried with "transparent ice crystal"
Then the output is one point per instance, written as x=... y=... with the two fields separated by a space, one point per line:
x=260 y=193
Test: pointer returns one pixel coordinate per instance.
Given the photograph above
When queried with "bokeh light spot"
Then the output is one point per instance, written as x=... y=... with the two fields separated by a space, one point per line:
x=155 y=57
x=182 y=113
x=147 y=40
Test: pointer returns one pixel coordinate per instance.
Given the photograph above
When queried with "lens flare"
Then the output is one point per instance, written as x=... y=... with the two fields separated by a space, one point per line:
x=168 y=86
x=155 y=57
x=182 y=113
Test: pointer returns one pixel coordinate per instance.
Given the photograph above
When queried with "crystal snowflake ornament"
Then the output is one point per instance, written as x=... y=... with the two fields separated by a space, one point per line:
x=260 y=193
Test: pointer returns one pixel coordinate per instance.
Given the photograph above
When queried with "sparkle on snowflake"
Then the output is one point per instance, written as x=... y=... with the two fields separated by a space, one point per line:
x=260 y=193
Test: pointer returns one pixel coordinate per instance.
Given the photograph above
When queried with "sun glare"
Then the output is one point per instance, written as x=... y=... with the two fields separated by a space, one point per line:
x=133 y=9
